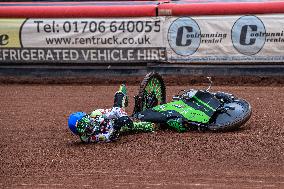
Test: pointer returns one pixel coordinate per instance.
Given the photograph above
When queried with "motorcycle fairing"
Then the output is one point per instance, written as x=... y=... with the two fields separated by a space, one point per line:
x=204 y=101
x=208 y=99
x=198 y=108
x=189 y=111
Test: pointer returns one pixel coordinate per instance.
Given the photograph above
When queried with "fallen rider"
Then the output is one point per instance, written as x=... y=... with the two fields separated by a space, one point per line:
x=105 y=125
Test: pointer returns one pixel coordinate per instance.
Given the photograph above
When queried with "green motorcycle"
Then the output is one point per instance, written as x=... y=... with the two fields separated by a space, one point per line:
x=189 y=109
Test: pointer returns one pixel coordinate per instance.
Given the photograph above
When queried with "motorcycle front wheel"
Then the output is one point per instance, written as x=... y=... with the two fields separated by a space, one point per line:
x=237 y=114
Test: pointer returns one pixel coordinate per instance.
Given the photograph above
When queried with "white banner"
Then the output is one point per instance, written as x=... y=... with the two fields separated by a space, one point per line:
x=98 y=33
x=84 y=40
x=220 y=39
x=225 y=38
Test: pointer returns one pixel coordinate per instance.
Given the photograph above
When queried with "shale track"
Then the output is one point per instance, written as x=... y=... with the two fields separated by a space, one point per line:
x=38 y=151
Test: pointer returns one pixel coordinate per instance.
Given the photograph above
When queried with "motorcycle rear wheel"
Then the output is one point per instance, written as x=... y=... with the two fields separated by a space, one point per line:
x=151 y=88
x=231 y=119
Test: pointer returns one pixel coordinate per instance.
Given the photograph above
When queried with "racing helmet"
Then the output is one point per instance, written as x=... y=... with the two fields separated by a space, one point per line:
x=73 y=120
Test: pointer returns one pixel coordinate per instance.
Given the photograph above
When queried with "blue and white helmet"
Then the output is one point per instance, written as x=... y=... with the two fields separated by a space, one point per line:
x=73 y=119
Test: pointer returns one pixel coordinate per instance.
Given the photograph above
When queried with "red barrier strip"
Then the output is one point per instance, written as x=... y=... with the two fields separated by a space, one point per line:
x=135 y=9
x=182 y=9
x=75 y=10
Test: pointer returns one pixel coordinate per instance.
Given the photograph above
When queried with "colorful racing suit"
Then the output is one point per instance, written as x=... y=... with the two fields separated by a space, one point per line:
x=107 y=126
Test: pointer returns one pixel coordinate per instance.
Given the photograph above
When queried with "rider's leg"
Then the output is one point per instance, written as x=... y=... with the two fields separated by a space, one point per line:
x=124 y=121
x=118 y=124
x=120 y=97
x=142 y=126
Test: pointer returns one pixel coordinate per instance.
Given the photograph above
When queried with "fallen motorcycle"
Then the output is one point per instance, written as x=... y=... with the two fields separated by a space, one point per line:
x=191 y=109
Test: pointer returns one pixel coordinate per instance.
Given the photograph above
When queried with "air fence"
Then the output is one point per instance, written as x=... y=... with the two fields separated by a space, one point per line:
x=198 y=37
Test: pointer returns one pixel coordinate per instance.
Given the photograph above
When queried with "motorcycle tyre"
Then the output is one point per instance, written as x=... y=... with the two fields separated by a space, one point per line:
x=147 y=79
x=231 y=124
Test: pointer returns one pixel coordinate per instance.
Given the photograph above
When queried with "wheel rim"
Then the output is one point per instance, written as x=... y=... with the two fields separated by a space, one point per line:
x=153 y=87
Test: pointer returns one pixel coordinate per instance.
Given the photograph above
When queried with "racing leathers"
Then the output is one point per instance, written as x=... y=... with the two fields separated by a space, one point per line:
x=105 y=125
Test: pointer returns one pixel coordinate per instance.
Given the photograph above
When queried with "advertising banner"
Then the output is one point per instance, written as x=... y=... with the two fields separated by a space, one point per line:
x=82 y=40
x=198 y=39
x=222 y=39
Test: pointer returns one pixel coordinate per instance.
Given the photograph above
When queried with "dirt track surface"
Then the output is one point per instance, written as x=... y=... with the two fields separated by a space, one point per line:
x=38 y=151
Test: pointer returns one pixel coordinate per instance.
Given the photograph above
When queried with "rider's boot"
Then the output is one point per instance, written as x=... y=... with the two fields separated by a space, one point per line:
x=120 y=97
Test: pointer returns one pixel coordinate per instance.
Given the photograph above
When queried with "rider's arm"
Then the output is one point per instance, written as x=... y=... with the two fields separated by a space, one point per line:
x=85 y=138
x=100 y=137
x=100 y=130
